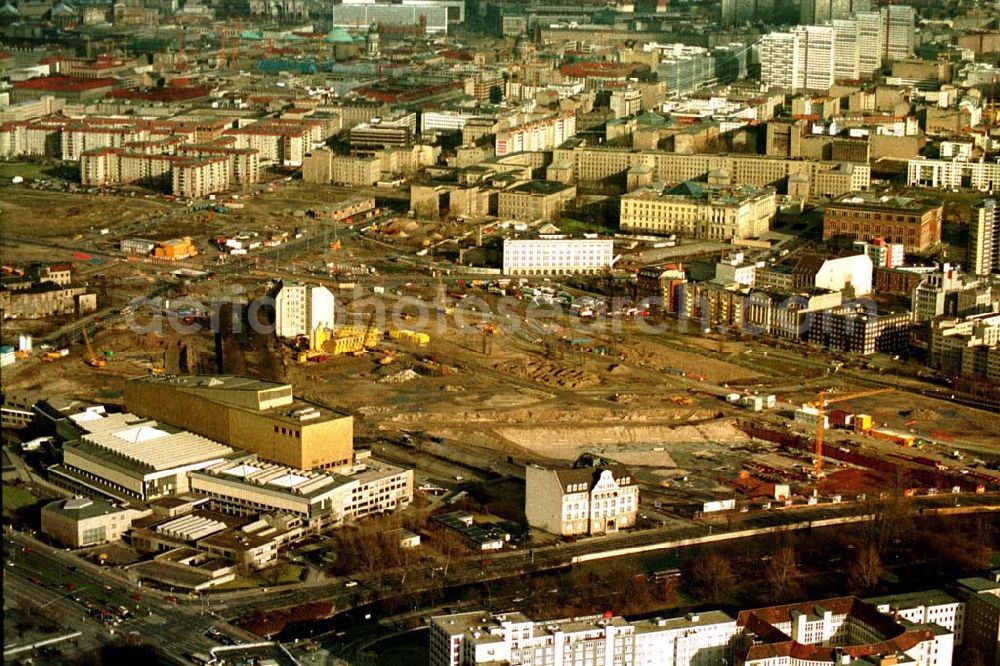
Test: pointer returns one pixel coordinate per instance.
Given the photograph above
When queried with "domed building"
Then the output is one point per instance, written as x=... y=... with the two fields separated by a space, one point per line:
x=343 y=45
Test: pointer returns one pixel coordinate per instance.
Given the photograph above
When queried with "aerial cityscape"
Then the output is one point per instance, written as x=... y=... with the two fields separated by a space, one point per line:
x=500 y=332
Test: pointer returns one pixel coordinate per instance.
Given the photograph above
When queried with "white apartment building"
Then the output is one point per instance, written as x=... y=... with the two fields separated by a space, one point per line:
x=735 y=269
x=557 y=256
x=952 y=174
x=595 y=500
x=198 y=177
x=77 y=139
x=818 y=65
x=984 y=238
x=780 y=57
x=801 y=59
x=898 y=23
x=829 y=632
x=846 y=49
x=466 y=639
x=279 y=141
x=882 y=254
x=302 y=308
x=537 y=135
x=445 y=120
x=870 y=40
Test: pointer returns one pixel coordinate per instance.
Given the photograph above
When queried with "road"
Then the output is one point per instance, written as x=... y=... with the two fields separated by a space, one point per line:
x=72 y=591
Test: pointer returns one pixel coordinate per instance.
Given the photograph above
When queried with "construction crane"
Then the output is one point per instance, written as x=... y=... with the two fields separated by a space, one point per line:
x=368 y=331
x=92 y=359
x=362 y=346
x=821 y=403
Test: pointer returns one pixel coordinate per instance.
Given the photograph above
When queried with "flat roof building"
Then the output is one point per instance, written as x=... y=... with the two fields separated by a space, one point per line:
x=258 y=416
x=557 y=256
x=535 y=200
x=697 y=210
x=248 y=487
x=82 y=521
x=915 y=223
x=483 y=638
x=128 y=456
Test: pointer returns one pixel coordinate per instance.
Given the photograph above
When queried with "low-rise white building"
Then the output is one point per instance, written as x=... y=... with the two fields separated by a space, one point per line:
x=557 y=256
x=829 y=632
x=735 y=269
x=480 y=638
x=249 y=486
x=926 y=607
x=952 y=174
x=590 y=500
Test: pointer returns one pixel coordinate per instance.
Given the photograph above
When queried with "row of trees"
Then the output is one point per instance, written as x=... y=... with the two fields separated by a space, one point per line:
x=849 y=559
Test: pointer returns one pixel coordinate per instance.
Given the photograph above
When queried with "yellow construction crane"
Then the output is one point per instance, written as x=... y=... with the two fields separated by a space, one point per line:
x=92 y=359
x=362 y=346
x=821 y=403
x=368 y=331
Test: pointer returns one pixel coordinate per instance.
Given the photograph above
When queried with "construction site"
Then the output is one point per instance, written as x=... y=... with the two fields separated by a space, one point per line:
x=466 y=366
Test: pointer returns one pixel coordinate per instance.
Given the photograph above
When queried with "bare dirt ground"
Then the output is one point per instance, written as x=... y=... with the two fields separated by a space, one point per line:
x=532 y=397
x=47 y=214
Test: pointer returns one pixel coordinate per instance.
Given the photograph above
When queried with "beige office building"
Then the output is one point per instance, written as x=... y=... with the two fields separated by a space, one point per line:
x=696 y=210
x=803 y=177
x=249 y=487
x=324 y=166
x=262 y=417
x=535 y=200
x=594 y=500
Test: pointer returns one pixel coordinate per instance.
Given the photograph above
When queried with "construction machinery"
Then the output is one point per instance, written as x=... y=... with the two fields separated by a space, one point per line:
x=366 y=341
x=92 y=359
x=821 y=403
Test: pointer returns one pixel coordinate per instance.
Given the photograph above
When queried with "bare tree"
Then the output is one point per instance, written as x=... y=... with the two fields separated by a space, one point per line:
x=865 y=568
x=711 y=577
x=782 y=573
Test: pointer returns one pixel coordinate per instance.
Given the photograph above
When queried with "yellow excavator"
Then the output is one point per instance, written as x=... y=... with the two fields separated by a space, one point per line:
x=92 y=359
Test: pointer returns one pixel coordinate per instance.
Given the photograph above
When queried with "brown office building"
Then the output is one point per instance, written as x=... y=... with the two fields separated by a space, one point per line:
x=915 y=223
x=257 y=416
